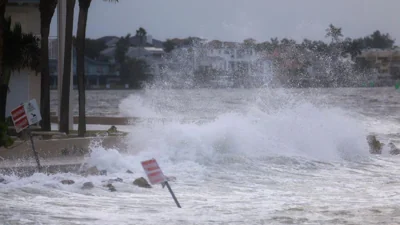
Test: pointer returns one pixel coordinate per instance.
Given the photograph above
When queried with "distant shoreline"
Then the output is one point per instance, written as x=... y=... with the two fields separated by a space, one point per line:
x=222 y=88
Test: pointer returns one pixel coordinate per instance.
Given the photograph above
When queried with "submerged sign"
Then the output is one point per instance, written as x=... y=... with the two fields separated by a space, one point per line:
x=156 y=176
x=25 y=115
x=153 y=172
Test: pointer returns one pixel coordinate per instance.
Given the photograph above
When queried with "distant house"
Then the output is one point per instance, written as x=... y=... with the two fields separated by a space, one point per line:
x=97 y=73
x=137 y=52
x=149 y=42
x=386 y=61
x=151 y=51
x=231 y=56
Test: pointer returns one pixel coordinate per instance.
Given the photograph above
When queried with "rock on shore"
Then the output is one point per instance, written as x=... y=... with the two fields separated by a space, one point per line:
x=69 y=182
x=393 y=149
x=87 y=185
x=375 y=146
x=141 y=182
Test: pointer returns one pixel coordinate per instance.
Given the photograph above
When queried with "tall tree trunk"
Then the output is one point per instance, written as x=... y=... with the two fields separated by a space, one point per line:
x=5 y=80
x=80 y=70
x=3 y=102
x=47 y=8
x=3 y=84
x=66 y=82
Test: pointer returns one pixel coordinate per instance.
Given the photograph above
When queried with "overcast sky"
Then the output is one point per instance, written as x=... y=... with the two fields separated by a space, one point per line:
x=235 y=20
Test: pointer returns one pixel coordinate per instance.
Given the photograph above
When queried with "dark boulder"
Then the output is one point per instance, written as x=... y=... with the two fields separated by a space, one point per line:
x=375 y=146
x=87 y=185
x=393 y=149
x=142 y=182
x=69 y=182
x=110 y=187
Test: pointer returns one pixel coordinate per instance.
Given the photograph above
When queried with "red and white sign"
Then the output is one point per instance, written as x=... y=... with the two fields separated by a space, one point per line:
x=19 y=118
x=25 y=115
x=18 y=113
x=153 y=171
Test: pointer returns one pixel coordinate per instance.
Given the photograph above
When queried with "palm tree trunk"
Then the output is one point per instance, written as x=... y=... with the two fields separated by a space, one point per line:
x=66 y=82
x=47 y=8
x=80 y=70
x=3 y=86
x=45 y=80
x=6 y=74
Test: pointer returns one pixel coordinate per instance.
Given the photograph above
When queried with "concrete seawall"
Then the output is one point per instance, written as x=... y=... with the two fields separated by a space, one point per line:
x=107 y=120
x=102 y=120
x=55 y=148
x=56 y=155
x=28 y=167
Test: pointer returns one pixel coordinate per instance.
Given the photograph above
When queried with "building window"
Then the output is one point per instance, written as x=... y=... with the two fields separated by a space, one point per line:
x=99 y=69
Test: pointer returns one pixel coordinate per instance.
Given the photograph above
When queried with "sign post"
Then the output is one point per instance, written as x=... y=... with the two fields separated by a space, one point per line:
x=25 y=115
x=156 y=176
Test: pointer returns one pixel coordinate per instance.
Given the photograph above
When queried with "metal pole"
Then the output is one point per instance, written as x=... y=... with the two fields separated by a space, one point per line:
x=61 y=20
x=34 y=151
x=172 y=194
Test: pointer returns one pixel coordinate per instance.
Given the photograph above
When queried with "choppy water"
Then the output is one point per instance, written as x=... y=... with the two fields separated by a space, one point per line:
x=260 y=157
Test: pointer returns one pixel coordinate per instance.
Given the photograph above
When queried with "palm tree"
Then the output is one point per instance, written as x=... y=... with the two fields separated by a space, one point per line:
x=47 y=8
x=141 y=33
x=334 y=32
x=22 y=51
x=80 y=62
x=3 y=88
x=66 y=82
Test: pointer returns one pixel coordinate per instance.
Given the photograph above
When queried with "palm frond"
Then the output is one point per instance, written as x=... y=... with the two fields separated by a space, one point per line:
x=21 y=50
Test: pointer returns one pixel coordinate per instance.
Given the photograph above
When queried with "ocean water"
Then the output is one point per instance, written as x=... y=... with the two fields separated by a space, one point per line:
x=240 y=156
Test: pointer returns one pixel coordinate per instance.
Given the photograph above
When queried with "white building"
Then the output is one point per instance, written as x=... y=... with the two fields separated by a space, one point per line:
x=234 y=58
x=25 y=85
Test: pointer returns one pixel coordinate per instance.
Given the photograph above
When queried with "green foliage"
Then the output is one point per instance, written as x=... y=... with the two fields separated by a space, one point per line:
x=352 y=47
x=121 y=49
x=378 y=40
x=132 y=71
x=374 y=144
x=112 y=129
x=93 y=47
x=169 y=45
x=249 y=42
x=9 y=121
x=5 y=140
x=21 y=50
x=135 y=72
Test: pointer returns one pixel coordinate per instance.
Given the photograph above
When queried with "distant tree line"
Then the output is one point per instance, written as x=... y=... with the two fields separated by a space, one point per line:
x=290 y=58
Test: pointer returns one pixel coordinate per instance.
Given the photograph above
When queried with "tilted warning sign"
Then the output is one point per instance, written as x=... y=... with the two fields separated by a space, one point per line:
x=25 y=115
x=153 y=172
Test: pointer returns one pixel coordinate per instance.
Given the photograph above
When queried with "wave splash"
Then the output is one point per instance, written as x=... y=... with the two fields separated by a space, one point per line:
x=295 y=129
